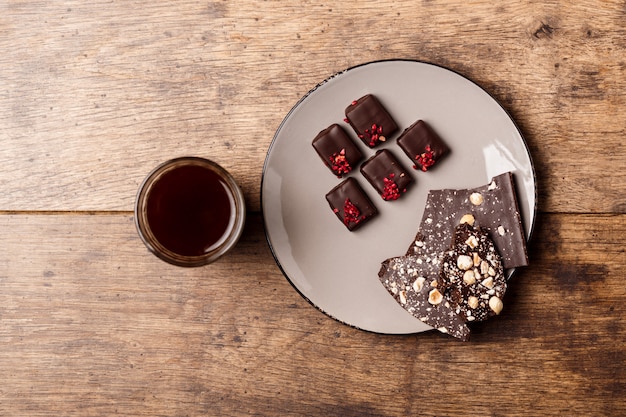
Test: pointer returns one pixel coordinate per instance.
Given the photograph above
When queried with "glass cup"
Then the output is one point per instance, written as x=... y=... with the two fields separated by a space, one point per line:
x=189 y=211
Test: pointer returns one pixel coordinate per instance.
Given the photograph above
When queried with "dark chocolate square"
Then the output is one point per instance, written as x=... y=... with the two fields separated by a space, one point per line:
x=337 y=150
x=422 y=145
x=350 y=203
x=386 y=175
x=370 y=120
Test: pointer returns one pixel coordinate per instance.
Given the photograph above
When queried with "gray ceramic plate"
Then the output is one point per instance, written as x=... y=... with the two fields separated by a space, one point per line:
x=336 y=270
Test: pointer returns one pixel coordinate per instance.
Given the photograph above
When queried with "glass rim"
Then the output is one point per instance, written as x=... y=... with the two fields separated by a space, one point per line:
x=143 y=227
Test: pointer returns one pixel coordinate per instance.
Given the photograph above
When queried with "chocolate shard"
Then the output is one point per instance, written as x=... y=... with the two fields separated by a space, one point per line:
x=413 y=282
x=422 y=145
x=472 y=276
x=338 y=152
x=493 y=207
x=370 y=120
x=350 y=204
x=386 y=175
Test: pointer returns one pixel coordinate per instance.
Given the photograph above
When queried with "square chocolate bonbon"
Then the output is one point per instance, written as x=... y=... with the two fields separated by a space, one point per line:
x=351 y=204
x=422 y=145
x=386 y=175
x=337 y=150
x=370 y=120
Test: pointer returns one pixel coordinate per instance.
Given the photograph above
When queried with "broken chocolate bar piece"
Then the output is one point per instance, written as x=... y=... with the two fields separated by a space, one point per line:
x=413 y=282
x=370 y=120
x=422 y=145
x=493 y=207
x=386 y=175
x=472 y=277
x=337 y=150
x=350 y=203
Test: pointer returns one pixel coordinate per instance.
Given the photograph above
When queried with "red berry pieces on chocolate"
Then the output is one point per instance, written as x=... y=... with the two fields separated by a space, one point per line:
x=385 y=173
x=370 y=120
x=426 y=159
x=337 y=150
x=339 y=163
x=390 y=189
x=351 y=213
x=350 y=204
x=423 y=145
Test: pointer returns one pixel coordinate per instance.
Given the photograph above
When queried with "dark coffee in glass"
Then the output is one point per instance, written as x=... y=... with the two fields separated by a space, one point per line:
x=189 y=211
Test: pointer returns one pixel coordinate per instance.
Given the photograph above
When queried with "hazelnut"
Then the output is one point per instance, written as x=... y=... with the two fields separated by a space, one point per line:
x=402 y=297
x=496 y=304
x=484 y=267
x=476 y=259
x=435 y=297
x=477 y=274
x=472 y=241
x=467 y=218
x=476 y=199
x=487 y=282
x=469 y=278
x=491 y=272
x=419 y=284
x=382 y=138
x=472 y=302
x=464 y=262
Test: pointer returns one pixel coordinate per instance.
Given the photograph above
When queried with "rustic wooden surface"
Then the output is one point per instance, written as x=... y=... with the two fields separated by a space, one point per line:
x=95 y=94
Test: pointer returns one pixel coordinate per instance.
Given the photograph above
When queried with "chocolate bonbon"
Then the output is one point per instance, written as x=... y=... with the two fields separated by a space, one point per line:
x=338 y=152
x=386 y=175
x=422 y=145
x=351 y=204
x=370 y=120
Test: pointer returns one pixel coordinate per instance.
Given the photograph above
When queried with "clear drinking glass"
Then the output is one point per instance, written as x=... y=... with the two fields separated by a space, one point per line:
x=189 y=211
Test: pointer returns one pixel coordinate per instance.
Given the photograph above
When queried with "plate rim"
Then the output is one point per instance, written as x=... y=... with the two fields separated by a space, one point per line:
x=315 y=88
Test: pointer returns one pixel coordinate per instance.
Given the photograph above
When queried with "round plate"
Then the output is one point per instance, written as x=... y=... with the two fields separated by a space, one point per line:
x=337 y=270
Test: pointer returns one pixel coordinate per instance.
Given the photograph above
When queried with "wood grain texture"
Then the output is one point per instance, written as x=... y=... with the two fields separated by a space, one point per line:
x=93 y=95
x=92 y=324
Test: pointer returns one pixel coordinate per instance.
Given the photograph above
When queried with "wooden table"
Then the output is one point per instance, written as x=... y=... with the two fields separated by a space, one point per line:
x=94 y=94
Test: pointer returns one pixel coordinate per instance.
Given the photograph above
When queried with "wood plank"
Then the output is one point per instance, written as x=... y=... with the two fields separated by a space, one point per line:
x=92 y=96
x=92 y=324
